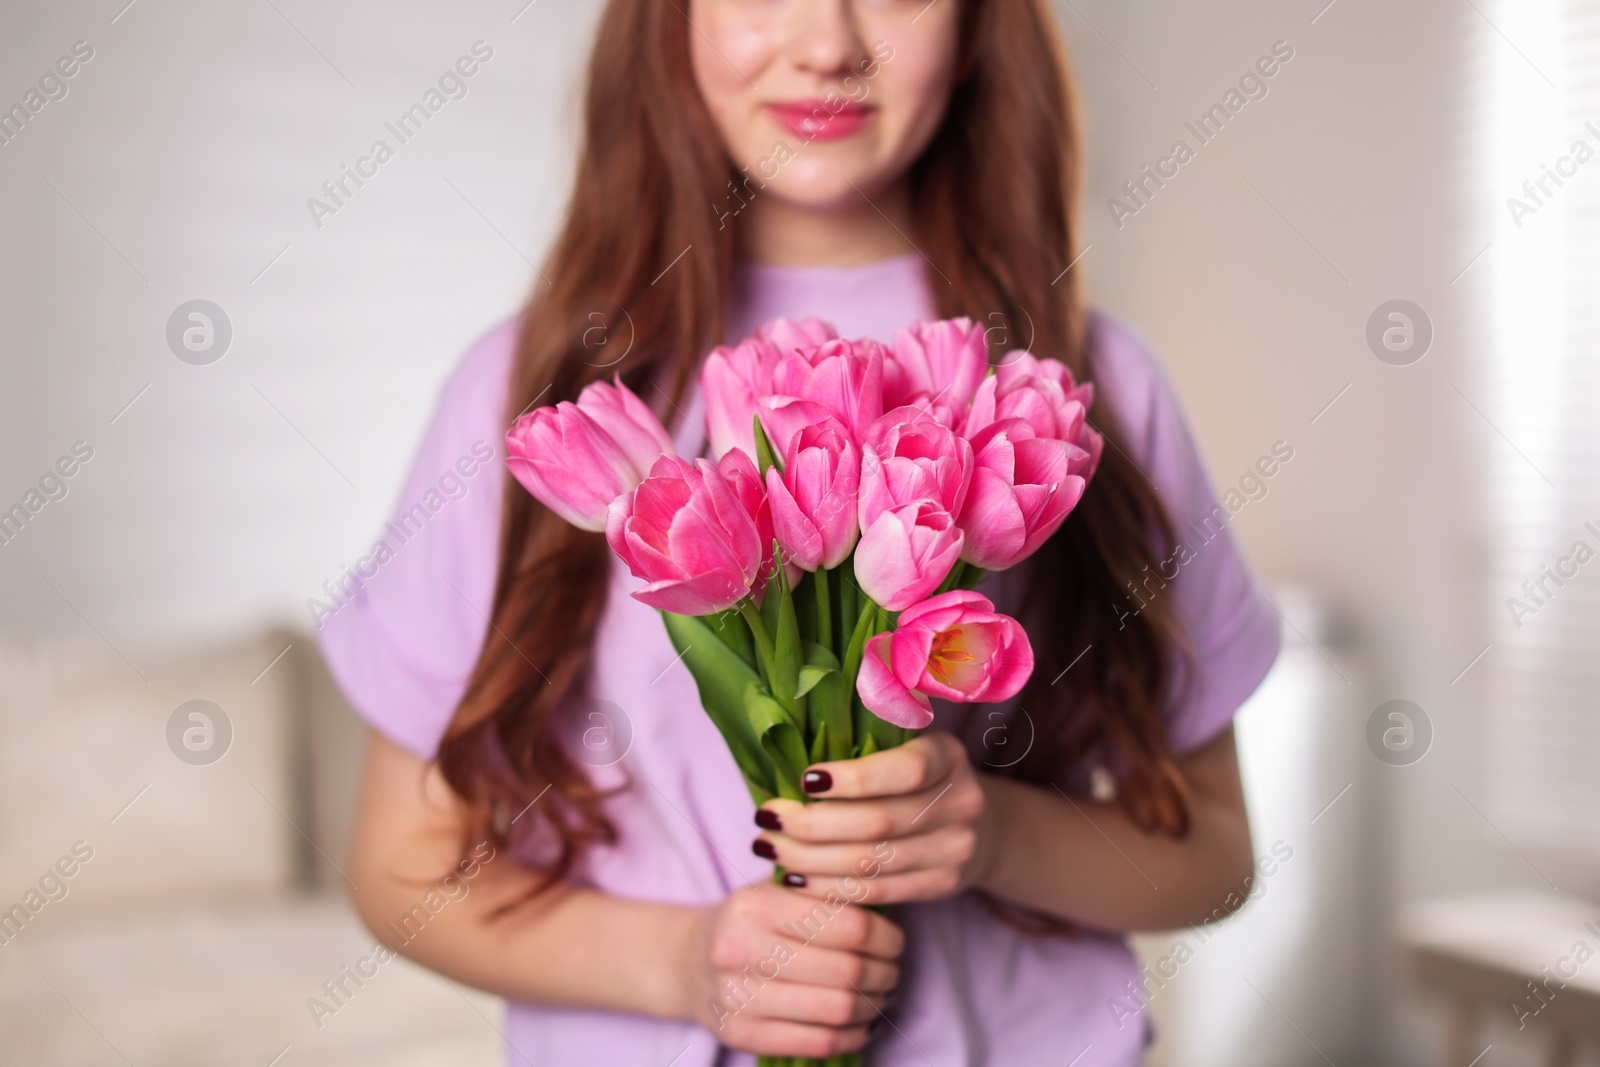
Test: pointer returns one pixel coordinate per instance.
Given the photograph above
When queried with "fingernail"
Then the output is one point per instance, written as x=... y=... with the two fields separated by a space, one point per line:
x=794 y=881
x=768 y=820
x=817 y=782
x=763 y=848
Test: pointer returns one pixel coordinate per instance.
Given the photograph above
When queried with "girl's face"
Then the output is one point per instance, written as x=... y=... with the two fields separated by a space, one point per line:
x=823 y=102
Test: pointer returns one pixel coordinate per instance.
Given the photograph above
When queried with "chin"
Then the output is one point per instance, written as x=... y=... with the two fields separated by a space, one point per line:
x=826 y=188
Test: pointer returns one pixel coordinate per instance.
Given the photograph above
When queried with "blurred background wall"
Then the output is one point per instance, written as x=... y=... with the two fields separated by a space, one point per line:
x=221 y=495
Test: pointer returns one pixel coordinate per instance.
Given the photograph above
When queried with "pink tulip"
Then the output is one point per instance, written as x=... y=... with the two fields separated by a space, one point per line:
x=940 y=409
x=814 y=500
x=954 y=646
x=844 y=378
x=577 y=458
x=909 y=455
x=945 y=360
x=732 y=380
x=784 y=417
x=906 y=553
x=786 y=335
x=1041 y=391
x=688 y=531
x=628 y=421
x=1023 y=487
x=743 y=478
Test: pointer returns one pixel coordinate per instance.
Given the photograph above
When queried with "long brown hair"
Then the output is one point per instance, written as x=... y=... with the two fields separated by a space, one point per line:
x=994 y=198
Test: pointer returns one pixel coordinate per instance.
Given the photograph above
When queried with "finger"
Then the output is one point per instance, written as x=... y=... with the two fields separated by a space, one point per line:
x=801 y=1002
x=811 y=964
x=834 y=923
x=875 y=819
x=950 y=846
x=915 y=765
x=777 y=1037
x=916 y=886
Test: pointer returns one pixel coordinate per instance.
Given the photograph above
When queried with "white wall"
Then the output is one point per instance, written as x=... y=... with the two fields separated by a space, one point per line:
x=191 y=142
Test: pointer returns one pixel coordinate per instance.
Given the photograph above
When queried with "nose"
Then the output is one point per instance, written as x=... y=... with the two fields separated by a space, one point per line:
x=825 y=37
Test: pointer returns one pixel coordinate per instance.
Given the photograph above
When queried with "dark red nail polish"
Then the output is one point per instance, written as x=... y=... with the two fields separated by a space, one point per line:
x=794 y=881
x=763 y=848
x=768 y=820
x=817 y=782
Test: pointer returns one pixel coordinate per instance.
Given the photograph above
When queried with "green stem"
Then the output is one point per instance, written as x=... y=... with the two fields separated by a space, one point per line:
x=953 y=579
x=848 y=607
x=819 y=582
x=758 y=630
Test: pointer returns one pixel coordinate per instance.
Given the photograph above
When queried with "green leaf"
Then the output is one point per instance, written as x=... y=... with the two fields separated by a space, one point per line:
x=786 y=652
x=849 y=603
x=765 y=456
x=780 y=740
x=868 y=746
x=829 y=705
x=809 y=677
x=729 y=626
x=819 y=744
x=771 y=602
x=868 y=623
x=882 y=733
x=805 y=602
x=784 y=747
x=821 y=656
x=722 y=678
x=952 y=580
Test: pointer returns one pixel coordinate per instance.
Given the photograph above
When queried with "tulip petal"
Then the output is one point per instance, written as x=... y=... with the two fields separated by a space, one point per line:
x=1012 y=666
x=993 y=522
x=882 y=693
x=701 y=595
x=797 y=535
x=906 y=553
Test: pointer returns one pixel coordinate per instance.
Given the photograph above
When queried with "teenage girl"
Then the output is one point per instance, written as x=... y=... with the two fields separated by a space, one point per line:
x=543 y=799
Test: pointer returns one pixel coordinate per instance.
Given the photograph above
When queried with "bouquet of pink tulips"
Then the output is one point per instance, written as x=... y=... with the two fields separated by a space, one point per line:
x=816 y=576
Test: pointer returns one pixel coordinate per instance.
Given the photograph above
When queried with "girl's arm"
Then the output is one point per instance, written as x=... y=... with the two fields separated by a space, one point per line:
x=947 y=827
x=578 y=947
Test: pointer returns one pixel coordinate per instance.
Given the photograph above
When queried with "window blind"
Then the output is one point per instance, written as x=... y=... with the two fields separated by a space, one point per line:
x=1542 y=115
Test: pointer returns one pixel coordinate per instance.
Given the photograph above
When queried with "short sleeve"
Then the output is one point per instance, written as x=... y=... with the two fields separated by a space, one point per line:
x=403 y=627
x=1233 y=628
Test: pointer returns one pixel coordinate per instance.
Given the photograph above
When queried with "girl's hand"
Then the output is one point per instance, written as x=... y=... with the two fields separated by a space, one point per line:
x=911 y=823
x=775 y=973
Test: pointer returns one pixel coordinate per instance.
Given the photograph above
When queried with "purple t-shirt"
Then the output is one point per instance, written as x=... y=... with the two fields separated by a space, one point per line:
x=974 y=990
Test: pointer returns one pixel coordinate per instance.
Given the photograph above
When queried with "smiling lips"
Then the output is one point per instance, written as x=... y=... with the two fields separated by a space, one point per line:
x=817 y=120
